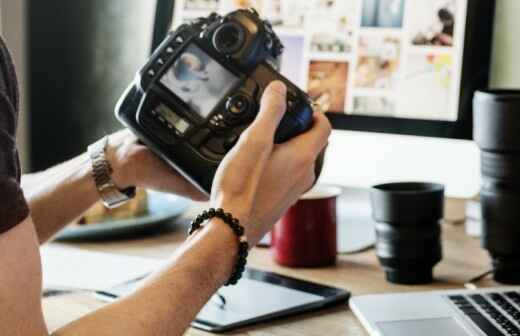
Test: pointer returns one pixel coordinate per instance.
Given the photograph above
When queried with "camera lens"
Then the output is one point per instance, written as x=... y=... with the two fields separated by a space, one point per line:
x=496 y=132
x=408 y=230
x=228 y=38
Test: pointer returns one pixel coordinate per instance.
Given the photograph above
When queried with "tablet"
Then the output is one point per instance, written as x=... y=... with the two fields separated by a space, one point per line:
x=258 y=297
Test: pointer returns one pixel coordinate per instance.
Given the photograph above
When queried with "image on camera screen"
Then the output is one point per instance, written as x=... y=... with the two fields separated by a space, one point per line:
x=198 y=80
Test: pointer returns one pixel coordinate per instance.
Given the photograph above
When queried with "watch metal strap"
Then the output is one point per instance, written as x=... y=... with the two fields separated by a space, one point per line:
x=111 y=196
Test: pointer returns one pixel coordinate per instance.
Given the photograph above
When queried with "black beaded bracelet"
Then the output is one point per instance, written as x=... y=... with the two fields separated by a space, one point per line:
x=234 y=224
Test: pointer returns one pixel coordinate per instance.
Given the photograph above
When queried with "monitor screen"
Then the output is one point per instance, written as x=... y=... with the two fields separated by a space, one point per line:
x=379 y=65
x=198 y=80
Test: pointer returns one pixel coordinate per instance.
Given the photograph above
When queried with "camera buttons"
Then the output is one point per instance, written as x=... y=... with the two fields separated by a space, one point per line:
x=237 y=105
x=217 y=122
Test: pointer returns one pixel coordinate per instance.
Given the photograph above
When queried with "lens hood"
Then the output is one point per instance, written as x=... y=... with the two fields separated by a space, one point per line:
x=407 y=202
x=496 y=120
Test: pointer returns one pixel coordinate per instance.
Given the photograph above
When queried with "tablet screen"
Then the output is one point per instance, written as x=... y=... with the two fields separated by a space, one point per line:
x=250 y=299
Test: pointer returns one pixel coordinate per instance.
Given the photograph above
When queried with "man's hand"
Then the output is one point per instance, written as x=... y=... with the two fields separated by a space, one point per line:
x=258 y=180
x=135 y=165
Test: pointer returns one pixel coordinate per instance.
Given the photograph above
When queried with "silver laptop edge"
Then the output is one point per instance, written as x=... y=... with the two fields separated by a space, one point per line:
x=374 y=311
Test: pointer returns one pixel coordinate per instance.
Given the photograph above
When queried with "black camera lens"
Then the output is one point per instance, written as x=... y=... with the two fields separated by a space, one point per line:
x=501 y=233
x=497 y=132
x=408 y=230
x=229 y=38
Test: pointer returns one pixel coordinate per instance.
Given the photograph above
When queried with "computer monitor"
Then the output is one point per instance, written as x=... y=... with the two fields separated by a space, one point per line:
x=400 y=67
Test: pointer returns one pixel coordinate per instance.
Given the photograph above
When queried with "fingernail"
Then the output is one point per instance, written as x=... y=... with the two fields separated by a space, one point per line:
x=279 y=87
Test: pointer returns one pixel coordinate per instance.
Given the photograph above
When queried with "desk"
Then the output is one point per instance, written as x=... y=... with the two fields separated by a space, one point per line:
x=359 y=273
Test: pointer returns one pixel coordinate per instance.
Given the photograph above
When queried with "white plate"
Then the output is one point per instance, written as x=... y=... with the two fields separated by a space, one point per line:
x=161 y=208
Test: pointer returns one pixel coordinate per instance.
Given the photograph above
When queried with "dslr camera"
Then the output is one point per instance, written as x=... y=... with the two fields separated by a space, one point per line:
x=201 y=89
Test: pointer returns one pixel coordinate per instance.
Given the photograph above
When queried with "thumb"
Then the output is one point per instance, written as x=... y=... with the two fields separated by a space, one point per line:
x=272 y=109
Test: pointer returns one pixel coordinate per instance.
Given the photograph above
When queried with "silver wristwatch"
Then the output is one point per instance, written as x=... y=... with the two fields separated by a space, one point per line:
x=111 y=196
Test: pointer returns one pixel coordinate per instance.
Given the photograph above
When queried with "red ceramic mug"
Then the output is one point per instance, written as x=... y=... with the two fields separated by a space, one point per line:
x=306 y=234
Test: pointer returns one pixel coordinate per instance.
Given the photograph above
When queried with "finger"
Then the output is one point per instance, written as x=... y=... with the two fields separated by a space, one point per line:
x=316 y=138
x=165 y=178
x=259 y=137
x=272 y=109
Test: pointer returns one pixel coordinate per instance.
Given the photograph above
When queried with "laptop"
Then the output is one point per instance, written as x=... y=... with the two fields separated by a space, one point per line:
x=482 y=312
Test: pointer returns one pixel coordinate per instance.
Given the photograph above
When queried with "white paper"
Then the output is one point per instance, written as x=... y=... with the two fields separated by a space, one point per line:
x=77 y=269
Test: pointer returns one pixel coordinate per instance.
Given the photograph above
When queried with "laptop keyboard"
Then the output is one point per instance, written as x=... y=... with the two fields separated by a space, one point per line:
x=496 y=314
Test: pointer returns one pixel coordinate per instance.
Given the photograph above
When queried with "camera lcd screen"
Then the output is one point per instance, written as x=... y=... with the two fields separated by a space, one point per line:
x=198 y=80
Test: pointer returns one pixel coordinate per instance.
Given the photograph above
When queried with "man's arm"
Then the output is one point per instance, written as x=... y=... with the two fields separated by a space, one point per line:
x=165 y=305
x=257 y=182
x=21 y=282
x=59 y=195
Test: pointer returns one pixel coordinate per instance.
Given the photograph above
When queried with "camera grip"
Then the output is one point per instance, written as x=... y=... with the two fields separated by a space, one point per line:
x=294 y=123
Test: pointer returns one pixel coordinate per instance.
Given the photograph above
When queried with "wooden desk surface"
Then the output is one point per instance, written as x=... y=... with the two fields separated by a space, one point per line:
x=359 y=273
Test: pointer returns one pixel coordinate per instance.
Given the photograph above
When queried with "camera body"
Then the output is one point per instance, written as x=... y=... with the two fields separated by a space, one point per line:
x=201 y=89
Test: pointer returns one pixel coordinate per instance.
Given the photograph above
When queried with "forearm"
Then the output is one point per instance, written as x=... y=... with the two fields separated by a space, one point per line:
x=168 y=302
x=59 y=195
